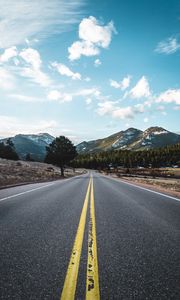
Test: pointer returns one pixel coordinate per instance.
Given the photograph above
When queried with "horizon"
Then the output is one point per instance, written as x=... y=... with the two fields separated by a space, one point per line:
x=43 y=133
x=89 y=69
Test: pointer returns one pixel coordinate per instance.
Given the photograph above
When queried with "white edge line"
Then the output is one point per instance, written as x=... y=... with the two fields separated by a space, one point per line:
x=41 y=187
x=29 y=191
x=140 y=187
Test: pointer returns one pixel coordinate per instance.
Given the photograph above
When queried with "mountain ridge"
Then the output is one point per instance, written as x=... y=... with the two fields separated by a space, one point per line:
x=131 y=139
x=33 y=144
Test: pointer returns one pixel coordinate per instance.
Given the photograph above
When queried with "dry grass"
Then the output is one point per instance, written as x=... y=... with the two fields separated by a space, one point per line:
x=166 y=185
x=17 y=172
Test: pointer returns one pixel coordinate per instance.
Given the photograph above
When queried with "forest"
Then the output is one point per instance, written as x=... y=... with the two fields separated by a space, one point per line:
x=154 y=158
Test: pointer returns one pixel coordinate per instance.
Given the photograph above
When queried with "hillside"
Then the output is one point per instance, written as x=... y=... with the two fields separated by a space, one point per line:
x=34 y=144
x=19 y=172
x=131 y=139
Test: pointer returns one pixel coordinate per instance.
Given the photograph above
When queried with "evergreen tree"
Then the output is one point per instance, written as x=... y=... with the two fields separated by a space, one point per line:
x=60 y=152
x=8 y=151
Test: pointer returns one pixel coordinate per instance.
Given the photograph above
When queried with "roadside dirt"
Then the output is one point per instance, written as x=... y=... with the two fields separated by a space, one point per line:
x=168 y=186
x=21 y=172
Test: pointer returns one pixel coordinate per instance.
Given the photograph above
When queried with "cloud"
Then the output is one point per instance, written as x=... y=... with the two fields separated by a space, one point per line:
x=11 y=126
x=32 y=57
x=8 y=54
x=62 y=97
x=122 y=85
x=23 y=20
x=141 y=89
x=82 y=48
x=87 y=79
x=33 y=69
x=169 y=96
x=111 y=108
x=146 y=120
x=64 y=70
x=7 y=80
x=168 y=46
x=106 y=107
x=97 y=62
x=26 y=98
x=123 y=113
x=88 y=92
x=88 y=101
x=115 y=111
x=55 y=95
x=93 y=36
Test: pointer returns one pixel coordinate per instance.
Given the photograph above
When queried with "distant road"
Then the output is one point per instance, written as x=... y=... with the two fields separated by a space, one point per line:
x=124 y=239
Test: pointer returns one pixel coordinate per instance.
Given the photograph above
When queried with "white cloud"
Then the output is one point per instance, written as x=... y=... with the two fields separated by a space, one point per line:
x=123 y=113
x=170 y=96
x=36 y=75
x=141 y=89
x=146 y=120
x=111 y=108
x=88 y=101
x=88 y=92
x=122 y=85
x=23 y=20
x=82 y=48
x=168 y=46
x=176 y=107
x=139 y=108
x=16 y=61
x=161 y=108
x=115 y=111
x=87 y=79
x=64 y=70
x=11 y=126
x=106 y=107
x=97 y=62
x=8 y=54
x=93 y=36
x=7 y=80
x=26 y=98
x=55 y=95
x=32 y=57
x=33 y=70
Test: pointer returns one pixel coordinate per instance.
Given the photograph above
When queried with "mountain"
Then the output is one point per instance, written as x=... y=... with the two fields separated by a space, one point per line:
x=35 y=144
x=131 y=139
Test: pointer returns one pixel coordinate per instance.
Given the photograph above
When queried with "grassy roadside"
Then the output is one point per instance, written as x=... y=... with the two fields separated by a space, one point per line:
x=170 y=186
x=167 y=186
x=20 y=172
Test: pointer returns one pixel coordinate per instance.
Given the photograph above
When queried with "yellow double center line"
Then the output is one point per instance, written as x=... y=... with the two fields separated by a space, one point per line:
x=92 y=280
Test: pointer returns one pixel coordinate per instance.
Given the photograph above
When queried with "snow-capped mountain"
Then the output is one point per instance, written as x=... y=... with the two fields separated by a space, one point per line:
x=33 y=144
x=131 y=139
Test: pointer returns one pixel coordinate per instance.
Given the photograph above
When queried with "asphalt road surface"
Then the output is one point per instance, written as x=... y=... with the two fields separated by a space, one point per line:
x=88 y=237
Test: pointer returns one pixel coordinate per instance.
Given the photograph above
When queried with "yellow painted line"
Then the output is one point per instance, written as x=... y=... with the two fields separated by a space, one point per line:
x=70 y=283
x=92 y=279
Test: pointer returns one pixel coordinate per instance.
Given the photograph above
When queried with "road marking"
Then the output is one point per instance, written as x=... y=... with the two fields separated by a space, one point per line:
x=70 y=283
x=92 y=279
x=142 y=188
x=29 y=191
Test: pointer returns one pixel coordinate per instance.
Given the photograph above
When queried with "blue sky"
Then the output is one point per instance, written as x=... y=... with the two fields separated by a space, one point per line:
x=87 y=69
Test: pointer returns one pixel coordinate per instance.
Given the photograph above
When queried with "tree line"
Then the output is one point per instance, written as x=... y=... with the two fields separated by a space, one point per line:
x=155 y=158
x=7 y=150
x=62 y=152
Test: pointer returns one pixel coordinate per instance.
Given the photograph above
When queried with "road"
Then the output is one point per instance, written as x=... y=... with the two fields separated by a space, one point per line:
x=124 y=239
